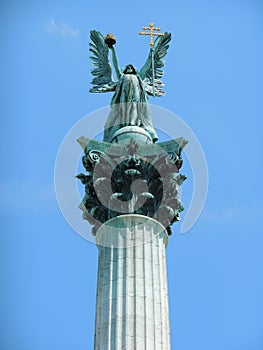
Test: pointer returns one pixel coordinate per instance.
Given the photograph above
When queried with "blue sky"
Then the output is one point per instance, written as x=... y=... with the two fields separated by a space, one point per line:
x=213 y=81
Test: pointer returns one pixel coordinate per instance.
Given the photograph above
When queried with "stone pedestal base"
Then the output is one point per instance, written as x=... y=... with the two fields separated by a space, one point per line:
x=132 y=298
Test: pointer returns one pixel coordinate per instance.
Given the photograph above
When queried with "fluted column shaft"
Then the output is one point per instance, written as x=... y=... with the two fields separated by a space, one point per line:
x=132 y=298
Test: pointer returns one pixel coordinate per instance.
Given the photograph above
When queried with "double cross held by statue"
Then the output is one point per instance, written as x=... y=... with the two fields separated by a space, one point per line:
x=151 y=32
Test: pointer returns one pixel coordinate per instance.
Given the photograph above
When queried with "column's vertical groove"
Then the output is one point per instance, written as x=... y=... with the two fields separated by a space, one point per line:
x=130 y=294
x=134 y=257
x=166 y=326
x=98 y=300
x=158 y=300
x=149 y=294
x=105 y=288
x=166 y=301
x=154 y=289
x=163 y=294
x=120 y=293
x=102 y=291
x=161 y=297
x=111 y=324
x=132 y=308
x=144 y=289
x=123 y=299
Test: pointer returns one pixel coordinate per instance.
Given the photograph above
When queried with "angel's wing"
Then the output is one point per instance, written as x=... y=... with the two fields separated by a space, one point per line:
x=102 y=81
x=159 y=50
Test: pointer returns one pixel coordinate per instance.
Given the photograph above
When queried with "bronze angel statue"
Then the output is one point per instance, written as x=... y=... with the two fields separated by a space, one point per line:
x=129 y=104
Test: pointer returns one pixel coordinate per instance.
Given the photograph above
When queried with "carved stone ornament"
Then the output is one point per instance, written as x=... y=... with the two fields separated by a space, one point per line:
x=131 y=177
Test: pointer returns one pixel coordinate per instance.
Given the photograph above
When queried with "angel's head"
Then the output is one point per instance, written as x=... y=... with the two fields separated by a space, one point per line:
x=129 y=69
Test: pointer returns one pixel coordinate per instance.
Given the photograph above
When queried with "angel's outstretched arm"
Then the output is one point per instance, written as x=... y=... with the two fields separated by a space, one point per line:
x=115 y=62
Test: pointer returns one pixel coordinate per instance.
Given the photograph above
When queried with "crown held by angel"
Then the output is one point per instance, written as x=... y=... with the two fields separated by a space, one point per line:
x=129 y=104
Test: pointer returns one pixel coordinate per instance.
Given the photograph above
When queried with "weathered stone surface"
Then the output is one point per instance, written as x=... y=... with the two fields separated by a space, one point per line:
x=132 y=299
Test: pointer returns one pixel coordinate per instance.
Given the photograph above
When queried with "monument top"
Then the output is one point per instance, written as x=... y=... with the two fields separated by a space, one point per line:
x=129 y=104
x=128 y=173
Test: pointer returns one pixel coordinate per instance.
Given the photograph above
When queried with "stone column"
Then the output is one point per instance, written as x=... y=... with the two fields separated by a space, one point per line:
x=131 y=199
x=132 y=298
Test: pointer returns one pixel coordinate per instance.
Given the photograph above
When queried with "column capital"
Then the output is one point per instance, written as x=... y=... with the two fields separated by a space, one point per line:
x=132 y=177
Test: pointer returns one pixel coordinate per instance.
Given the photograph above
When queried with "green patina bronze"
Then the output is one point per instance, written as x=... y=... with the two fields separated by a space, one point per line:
x=129 y=104
x=129 y=173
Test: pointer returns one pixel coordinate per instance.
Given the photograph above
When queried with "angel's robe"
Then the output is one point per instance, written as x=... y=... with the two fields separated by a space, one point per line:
x=129 y=106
